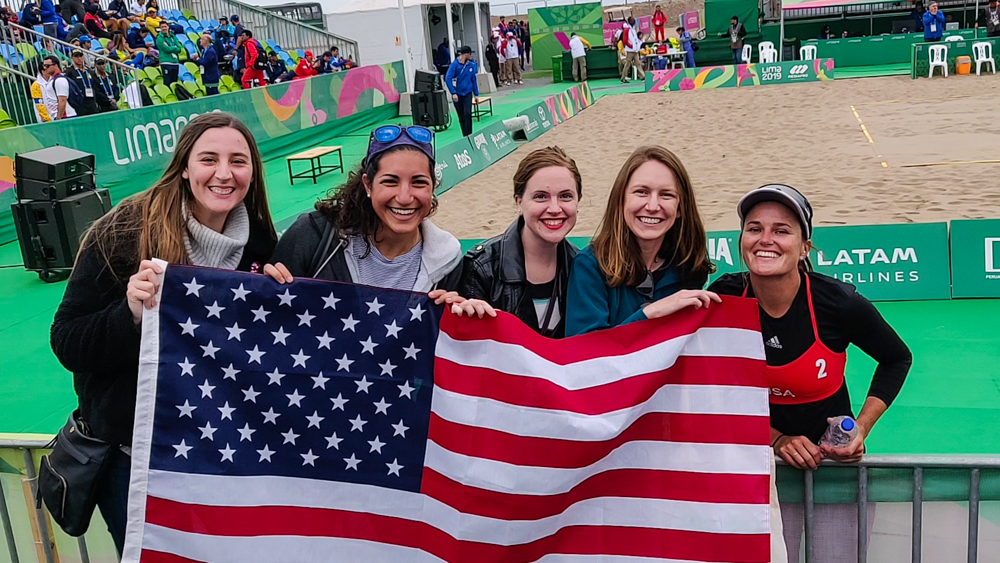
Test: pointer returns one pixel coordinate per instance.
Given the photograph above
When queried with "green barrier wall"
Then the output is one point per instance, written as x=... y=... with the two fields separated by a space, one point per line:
x=602 y=62
x=133 y=147
x=975 y=258
x=551 y=27
x=920 y=64
x=871 y=51
x=539 y=121
x=719 y=12
x=742 y=76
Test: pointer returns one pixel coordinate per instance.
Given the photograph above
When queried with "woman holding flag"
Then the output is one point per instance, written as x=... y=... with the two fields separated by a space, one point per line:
x=807 y=322
x=208 y=209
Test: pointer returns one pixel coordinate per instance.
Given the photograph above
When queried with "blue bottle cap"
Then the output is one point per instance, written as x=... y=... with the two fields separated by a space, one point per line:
x=847 y=424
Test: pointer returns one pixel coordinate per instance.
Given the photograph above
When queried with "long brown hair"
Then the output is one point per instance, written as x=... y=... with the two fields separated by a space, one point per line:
x=154 y=217
x=684 y=246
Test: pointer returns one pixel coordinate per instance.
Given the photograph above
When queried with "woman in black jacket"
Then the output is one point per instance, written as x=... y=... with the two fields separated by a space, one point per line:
x=525 y=270
x=208 y=209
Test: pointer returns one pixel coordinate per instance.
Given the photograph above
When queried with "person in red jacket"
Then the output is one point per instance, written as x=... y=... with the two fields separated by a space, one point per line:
x=306 y=68
x=253 y=54
x=659 y=21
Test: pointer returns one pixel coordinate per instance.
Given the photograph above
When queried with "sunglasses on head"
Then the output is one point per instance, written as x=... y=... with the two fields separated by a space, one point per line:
x=389 y=133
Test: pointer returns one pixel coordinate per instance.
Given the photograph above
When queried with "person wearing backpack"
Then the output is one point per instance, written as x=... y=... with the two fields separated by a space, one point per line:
x=51 y=95
x=169 y=47
x=84 y=81
x=253 y=58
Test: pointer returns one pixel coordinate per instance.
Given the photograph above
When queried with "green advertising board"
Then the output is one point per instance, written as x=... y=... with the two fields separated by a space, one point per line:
x=133 y=147
x=551 y=28
x=975 y=258
x=455 y=162
x=739 y=76
x=539 y=121
x=492 y=143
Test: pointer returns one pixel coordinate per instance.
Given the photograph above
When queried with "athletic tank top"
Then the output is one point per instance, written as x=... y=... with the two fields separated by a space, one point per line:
x=816 y=374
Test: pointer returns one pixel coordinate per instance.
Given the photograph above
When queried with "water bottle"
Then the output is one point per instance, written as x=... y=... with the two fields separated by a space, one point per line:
x=841 y=431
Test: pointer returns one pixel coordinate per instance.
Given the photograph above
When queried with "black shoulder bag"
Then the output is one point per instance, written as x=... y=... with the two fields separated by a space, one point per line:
x=69 y=477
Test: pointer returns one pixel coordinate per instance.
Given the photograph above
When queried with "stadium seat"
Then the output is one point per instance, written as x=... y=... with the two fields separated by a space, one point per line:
x=27 y=50
x=273 y=44
x=193 y=68
x=187 y=14
x=747 y=54
x=938 y=57
x=165 y=94
x=5 y=121
x=10 y=54
x=208 y=24
x=193 y=89
x=156 y=99
x=231 y=85
x=104 y=42
x=300 y=52
x=194 y=37
x=154 y=75
x=983 y=53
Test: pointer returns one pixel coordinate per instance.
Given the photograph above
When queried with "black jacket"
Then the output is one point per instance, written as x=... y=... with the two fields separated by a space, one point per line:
x=494 y=272
x=94 y=337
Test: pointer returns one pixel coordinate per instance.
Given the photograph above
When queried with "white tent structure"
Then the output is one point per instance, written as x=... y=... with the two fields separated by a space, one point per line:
x=378 y=28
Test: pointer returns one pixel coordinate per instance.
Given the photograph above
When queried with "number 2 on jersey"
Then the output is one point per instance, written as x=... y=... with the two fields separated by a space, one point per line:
x=821 y=364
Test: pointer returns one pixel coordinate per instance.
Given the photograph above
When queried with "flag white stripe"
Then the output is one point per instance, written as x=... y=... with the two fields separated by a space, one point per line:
x=665 y=456
x=271 y=549
x=588 y=558
x=517 y=360
x=722 y=518
x=546 y=423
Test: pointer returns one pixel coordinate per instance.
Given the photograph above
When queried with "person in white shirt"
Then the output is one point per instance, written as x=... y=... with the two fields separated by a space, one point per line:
x=512 y=52
x=50 y=93
x=632 y=44
x=138 y=8
x=578 y=49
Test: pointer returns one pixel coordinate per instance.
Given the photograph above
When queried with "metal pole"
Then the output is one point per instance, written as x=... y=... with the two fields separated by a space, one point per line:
x=781 y=48
x=451 y=33
x=480 y=42
x=974 y=515
x=8 y=531
x=862 y=514
x=975 y=32
x=810 y=522
x=918 y=514
x=43 y=528
x=871 y=20
x=407 y=56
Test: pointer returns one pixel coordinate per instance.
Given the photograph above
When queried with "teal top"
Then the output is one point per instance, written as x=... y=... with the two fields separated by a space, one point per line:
x=592 y=305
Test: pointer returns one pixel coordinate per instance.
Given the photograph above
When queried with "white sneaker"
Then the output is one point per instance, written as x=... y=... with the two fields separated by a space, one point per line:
x=520 y=82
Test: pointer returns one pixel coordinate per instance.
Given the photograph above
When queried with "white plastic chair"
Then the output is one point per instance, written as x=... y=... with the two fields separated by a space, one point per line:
x=807 y=52
x=983 y=53
x=747 y=52
x=938 y=56
x=765 y=45
x=768 y=55
x=954 y=38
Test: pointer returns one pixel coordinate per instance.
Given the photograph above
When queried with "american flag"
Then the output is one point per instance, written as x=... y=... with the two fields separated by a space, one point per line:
x=321 y=421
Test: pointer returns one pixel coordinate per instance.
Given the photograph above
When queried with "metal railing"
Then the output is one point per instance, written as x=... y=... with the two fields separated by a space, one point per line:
x=24 y=64
x=286 y=32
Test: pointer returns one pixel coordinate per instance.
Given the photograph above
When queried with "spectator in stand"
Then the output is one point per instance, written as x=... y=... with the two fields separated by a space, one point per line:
x=71 y=8
x=462 y=83
x=526 y=43
x=503 y=26
x=631 y=45
x=51 y=21
x=116 y=17
x=85 y=82
x=169 y=47
x=442 y=57
x=237 y=25
x=228 y=27
x=512 y=51
x=121 y=51
x=94 y=24
x=736 y=34
x=208 y=59
x=31 y=15
x=324 y=64
x=106 y=88
x=338 y=62
x=152 y=21
x=137 y=39
x=252 y=76
x=917 y=15
x=50 y=93
x=8 y=15
x=137 y=10
x=686 y=45
x=578 y=49
x=306 y=66
x=275 y=68
x=493 y=62
x=659 y=25
x=933 y=24
x=989 y=18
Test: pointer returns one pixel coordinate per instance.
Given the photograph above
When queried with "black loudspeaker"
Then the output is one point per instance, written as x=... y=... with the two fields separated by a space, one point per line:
x=37 y=189
x=50 y=231
x=53 y=164
x=430 y=109
x=426 y=81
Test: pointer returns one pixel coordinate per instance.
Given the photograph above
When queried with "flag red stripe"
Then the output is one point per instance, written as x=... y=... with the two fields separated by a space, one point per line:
x=545 y=394
x=635 y=483
x=317 y=522
x=625 y=339
x=533 y=451
x=152 y=556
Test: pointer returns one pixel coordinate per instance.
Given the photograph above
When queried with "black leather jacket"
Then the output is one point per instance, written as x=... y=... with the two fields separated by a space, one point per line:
x=494 y=272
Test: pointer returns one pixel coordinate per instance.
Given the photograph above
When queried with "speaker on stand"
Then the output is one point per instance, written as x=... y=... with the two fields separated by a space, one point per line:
x=430 y=102
x=57 y=201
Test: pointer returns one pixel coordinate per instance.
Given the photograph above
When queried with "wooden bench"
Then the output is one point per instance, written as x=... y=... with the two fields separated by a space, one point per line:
x=478 y=110
x=316 y=167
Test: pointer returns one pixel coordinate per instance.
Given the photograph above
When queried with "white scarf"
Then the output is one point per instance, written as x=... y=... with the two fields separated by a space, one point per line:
x=212 y=249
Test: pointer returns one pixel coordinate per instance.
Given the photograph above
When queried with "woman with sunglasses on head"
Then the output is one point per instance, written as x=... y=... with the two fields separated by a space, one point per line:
x=807 y=322
x=208 y=209
x=525 y=270
x=374 y=230
x=649 y=257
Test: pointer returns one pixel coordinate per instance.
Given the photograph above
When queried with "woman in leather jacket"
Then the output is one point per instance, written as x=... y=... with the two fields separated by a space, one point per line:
x=525 y=271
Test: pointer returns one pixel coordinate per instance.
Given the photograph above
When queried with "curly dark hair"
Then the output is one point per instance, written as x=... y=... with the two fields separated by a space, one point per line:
x=350 y=209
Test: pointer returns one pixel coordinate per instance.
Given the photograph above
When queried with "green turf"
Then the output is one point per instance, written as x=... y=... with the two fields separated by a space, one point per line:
x=871 y=71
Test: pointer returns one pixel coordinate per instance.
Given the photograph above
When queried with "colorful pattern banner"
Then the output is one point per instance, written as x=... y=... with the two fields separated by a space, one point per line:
x=733 y=76
x=133 y=147
x=551 y=28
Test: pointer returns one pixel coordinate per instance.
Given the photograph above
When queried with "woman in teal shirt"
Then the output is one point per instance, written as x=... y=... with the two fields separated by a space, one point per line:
x=649 y=257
